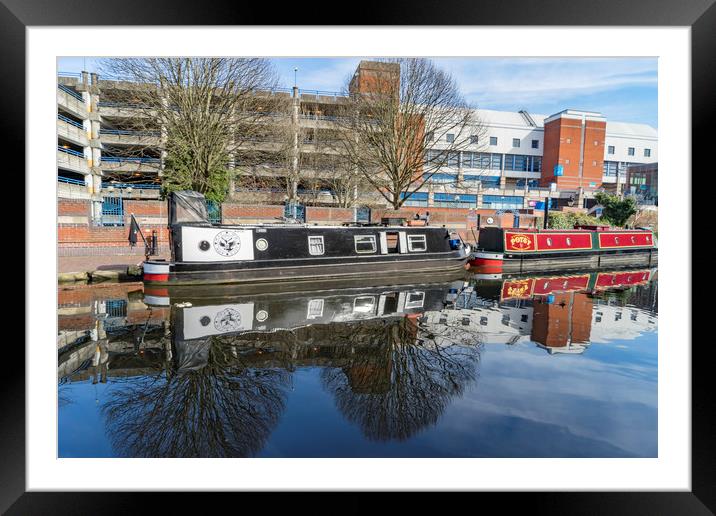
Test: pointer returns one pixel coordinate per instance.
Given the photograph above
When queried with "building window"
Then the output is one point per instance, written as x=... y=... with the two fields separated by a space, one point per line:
x=502 y=202
x=450 y=137
x=610 y=149
x=630 y=151
x=364 y=243
x=596 y=143
x=566 y=162
x=473 y=139
x=315 y=245
x=516 y=142
x=535 y=144
x=569 y=140
x=493 y=140
x=429 y=136
x=417 y=243
x=647 y=153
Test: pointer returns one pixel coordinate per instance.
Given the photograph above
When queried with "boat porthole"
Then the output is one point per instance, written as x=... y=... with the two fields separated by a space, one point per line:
x=648 y=238
x=633 y=240
x=261 y=315
x=204 y=245
x=549 y=241
x=569 y=241
x=616 y=240
x=261 y=244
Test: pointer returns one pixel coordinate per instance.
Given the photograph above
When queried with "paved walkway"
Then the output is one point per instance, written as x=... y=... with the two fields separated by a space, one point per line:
x=93 y=263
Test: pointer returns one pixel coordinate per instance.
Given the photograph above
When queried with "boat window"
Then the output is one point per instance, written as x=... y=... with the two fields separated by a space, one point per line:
x=364 y=304
x=315 y=309
x=315 y=245
x=417 y=243
x=549 y=241
x=415 y=300
x=364 y=243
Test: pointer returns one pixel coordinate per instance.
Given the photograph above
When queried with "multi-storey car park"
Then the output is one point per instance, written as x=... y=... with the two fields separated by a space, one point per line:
x=520 y=157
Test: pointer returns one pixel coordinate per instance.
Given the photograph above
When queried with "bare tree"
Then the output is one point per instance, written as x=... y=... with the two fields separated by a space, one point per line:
x=206 y=110
x=212 y=405
x=394 y=387
x=405 y=125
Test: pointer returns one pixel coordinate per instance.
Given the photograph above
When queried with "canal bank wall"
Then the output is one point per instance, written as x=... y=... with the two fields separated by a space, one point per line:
x=81 y=234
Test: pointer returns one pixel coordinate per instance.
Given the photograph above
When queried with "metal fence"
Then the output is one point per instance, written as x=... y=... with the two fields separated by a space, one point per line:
x=71 y=92
x=214 y=211
x=112 y=211
x=69 y=121
x=70 y=151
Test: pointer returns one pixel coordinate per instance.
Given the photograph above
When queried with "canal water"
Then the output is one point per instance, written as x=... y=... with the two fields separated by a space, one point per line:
x=555 y=365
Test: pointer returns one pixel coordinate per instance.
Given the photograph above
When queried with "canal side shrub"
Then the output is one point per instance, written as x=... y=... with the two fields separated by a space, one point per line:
x=614 y=209
x=567 y=220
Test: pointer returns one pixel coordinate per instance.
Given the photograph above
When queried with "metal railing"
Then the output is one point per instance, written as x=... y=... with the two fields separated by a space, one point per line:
x=69 y=121
x=122 y=105
x=323 y=93
x=70 y=91
x=69 y=74
x=70 y=151
x=330 y=118
x=121 y=159
x=71 y=181
x=128 y=132
x=260 y=190
x=134 y=186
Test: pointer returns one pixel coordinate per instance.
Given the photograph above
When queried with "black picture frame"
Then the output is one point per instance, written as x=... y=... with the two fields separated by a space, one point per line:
x=700 y=15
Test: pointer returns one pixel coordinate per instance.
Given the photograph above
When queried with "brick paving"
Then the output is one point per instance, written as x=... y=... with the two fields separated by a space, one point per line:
x=92 y=263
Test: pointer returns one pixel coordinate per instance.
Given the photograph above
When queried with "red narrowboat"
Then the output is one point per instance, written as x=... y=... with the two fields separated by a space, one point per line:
x=524 y=250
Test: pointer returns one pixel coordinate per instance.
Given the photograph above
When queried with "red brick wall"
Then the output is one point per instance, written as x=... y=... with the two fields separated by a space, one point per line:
x=74 y=237
x=237 y=211
x=73 y=207
x=336 y=215
x=563 y=144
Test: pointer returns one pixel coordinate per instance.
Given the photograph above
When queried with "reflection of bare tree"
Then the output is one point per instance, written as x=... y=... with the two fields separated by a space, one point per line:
x=220 y=408
x=397 y=387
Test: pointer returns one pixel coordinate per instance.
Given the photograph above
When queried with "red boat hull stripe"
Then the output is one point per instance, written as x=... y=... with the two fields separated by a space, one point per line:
x=156 y=277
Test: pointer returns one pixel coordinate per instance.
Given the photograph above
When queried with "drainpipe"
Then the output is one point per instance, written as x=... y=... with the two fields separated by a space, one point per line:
x=581 y=149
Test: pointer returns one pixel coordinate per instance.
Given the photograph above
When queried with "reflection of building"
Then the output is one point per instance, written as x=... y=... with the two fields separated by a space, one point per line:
x=615 y=322
x=563 y=324
x=561 y=314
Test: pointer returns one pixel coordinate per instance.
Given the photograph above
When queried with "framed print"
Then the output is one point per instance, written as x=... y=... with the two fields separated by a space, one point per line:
x=553 y=380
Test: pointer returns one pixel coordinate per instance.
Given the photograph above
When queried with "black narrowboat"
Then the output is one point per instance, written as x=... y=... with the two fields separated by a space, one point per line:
x=206 y=253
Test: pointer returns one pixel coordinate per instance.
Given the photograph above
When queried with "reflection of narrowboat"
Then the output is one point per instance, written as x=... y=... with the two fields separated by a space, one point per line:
x=528 y=287
x=207 y=316
x=206 y=253
x=503 y=249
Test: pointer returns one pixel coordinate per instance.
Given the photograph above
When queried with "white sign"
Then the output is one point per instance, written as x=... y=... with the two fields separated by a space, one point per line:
x=216 y=244
x=203 y=321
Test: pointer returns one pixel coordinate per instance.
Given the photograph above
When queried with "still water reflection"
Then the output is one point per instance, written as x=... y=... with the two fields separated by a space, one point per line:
x=561 y=365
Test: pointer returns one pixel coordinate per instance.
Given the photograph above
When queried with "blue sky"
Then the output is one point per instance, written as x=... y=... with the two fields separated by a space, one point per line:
x=623 y=89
